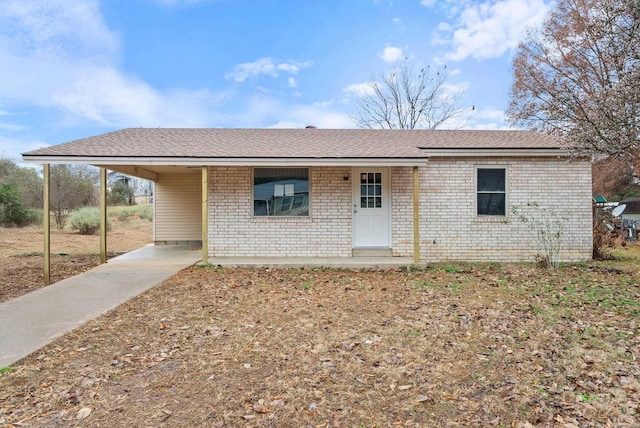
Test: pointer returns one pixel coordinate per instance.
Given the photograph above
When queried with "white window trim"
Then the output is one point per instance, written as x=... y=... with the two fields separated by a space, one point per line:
x=506 y=192
x=279 y=217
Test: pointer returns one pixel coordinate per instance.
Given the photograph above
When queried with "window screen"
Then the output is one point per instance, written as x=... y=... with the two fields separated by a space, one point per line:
x=491 y=190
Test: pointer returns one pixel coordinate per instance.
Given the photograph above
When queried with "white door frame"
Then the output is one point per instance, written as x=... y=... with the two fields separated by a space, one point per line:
x=383 y=240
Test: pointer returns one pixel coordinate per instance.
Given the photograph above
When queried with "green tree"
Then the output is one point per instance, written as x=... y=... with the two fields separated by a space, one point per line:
x=121 y=194
x=13 y=211
x=26 y=180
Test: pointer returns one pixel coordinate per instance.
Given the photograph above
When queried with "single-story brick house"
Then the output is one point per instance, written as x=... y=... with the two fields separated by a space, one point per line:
x=434 y=195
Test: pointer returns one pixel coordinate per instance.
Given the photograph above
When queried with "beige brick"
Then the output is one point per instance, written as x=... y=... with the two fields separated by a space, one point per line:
x=449 y=228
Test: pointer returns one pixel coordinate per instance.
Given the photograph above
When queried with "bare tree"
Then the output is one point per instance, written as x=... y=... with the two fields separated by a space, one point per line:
x=578 y=76
x=72 y=187
x=407 y=99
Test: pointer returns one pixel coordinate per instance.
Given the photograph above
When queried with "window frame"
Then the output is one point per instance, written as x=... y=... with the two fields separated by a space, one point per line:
x=505 y=192
x=301 y=217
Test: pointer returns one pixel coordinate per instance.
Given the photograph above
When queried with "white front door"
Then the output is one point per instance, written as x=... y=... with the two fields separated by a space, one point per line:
x=371 y=207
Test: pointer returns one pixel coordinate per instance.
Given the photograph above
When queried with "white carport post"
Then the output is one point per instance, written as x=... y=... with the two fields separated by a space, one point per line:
x=205 y=215
x=46 y=223
x=103 y=215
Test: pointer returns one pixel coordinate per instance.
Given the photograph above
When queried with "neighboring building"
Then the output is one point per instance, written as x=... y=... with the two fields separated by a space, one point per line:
x=631 y=219
x=632 y=209
x=142 y=189
x=338 y=193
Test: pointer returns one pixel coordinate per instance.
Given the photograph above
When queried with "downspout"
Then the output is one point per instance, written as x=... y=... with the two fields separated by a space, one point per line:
x=416 y=216
x=46 y=223
x=205 y=215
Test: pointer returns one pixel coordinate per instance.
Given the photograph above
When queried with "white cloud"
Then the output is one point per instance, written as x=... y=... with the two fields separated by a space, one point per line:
x=488 y=29
x=427 y=3
x=488 y=119
x=63 y=56
x=11 y=148
x=452 y=90
x=65 y=63
x=72 y=29
x=264 y=111
x=108 y=97
x=360 y=89
x=265 y=66
x=319 y=115
x=10 y=126
x=391 y=54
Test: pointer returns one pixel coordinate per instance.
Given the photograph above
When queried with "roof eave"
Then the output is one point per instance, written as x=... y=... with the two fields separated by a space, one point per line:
x=509 y=152
x=201 y=161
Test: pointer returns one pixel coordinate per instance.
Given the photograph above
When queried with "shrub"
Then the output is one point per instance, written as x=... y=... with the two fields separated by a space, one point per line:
x=13 y=211
x=34 y=216
x=603 y=240
x=144 y=211
x=123 y=213
x=547 y=228
x=86 y=221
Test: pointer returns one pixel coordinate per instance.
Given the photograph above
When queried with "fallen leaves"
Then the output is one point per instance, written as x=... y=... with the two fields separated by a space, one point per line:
x=83 y=413
x=254 y=346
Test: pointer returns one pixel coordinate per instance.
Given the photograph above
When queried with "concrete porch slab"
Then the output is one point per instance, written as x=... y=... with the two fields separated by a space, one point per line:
x=317 y=262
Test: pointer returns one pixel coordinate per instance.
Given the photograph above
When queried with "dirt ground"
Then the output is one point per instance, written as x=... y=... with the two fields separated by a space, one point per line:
x=446 y=345
x=22 y=262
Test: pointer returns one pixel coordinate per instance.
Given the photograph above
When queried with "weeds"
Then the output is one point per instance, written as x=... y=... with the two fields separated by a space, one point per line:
x=144 y=211
x=451 y=269
x=587 y=398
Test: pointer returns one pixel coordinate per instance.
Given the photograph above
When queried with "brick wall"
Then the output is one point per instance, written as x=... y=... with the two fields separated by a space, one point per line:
x=233 y=231
x=402 y=211
x=450 y=230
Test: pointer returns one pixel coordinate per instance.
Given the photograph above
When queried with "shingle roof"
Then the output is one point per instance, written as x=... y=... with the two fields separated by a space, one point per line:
x=289 y=143
x=633 y=206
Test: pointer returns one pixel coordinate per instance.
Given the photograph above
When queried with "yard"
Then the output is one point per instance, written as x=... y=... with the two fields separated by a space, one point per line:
x=21 y=259
x=447 y=345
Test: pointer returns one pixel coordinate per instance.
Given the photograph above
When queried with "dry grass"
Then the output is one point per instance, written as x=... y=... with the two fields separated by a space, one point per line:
x=21 y=249
x=463 y=345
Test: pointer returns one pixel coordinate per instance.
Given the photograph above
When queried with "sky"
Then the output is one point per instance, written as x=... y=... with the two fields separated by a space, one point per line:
x=71 y=69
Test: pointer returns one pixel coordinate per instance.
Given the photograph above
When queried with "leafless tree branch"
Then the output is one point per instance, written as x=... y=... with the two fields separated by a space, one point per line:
x=408 y=99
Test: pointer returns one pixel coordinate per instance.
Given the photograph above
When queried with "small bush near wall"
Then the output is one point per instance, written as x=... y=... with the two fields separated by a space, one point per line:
x=86 y=221
x=548 y=231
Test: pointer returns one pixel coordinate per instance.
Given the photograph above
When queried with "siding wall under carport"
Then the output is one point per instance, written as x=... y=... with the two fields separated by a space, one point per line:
x=178 y=209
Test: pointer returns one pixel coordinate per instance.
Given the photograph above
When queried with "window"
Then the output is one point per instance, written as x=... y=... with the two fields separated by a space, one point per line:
x=281 y=192
x=492 y=191
x=371 y=190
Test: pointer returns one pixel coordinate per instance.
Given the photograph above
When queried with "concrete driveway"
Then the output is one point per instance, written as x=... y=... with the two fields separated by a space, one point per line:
x=30 y=322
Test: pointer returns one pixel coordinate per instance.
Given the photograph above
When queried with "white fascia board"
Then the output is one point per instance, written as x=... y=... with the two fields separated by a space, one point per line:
x=458 y=153
x=141 y=161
